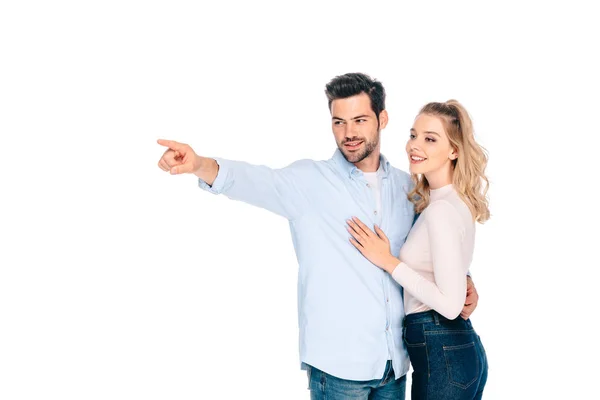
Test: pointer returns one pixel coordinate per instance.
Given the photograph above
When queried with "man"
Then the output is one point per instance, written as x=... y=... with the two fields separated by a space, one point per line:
x=350 y=312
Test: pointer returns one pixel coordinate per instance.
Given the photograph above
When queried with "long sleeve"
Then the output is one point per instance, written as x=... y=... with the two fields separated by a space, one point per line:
x=282 y=191
x=445 y=232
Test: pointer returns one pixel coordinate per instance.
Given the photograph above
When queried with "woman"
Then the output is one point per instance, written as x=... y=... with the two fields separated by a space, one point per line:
x=447 y=166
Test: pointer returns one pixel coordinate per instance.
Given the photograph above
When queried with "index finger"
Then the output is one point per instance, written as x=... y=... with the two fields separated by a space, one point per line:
x=170 y=144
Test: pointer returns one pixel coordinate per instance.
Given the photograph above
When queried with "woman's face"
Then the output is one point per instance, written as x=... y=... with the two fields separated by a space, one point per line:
x=428 y=148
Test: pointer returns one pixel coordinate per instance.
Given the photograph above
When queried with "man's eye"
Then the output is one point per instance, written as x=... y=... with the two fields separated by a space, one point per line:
x=412 y=136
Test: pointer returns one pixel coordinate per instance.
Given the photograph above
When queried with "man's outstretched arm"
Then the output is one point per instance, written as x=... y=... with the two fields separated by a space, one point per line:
x=276 y=190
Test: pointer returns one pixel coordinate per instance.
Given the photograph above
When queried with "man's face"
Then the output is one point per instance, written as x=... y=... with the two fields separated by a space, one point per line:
x=355 y=127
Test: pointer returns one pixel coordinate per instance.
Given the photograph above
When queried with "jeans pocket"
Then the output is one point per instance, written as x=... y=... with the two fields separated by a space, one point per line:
x=413 y=335
x=462 y=362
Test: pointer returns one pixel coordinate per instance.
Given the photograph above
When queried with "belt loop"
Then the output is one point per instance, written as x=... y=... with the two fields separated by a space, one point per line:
x=436 y=318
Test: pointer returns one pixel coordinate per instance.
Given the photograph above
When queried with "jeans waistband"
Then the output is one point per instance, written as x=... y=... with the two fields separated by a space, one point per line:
x=424 y=317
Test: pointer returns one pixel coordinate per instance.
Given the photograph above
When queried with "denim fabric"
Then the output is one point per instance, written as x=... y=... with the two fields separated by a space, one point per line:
x=447 y=356
x=327 y=387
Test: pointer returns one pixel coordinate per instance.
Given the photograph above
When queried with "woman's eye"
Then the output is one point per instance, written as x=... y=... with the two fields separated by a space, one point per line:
x=412 y=136
x=430 y=140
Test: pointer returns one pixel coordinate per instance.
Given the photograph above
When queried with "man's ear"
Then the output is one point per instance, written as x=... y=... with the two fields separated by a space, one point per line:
x=383 y=119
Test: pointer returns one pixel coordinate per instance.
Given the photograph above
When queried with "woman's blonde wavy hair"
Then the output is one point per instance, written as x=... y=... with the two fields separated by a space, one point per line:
x=468 y=177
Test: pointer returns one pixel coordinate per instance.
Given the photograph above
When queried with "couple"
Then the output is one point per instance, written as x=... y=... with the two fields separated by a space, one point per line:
x=351 y=214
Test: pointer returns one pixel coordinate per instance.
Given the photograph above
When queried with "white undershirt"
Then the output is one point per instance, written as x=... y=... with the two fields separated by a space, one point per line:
x=436 y=256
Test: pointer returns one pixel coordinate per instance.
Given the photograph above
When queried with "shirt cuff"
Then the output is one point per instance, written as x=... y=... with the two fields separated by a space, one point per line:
x=397 y=273
x=219 y=183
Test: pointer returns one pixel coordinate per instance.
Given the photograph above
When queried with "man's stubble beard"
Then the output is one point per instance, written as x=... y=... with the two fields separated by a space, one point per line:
x=366 y=152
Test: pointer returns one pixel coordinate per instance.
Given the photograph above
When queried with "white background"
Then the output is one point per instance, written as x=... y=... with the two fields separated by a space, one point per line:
x=119 y=281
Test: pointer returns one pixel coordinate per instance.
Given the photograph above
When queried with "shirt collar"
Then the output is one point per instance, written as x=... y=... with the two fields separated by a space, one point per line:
x=350 y=169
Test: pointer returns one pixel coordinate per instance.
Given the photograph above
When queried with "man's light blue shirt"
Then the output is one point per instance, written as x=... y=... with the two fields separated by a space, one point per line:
x=349 y=311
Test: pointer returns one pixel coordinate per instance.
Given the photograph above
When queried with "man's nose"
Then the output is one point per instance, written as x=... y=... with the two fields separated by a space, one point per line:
x=350 y=130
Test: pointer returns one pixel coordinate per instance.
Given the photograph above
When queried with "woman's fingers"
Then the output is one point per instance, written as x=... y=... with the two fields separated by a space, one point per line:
x=365 y=229
x=381 y=234
x=356 y=235
x=356 y=244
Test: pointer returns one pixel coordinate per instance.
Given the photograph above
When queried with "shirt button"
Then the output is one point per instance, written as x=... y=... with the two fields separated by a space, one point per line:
x=375 y=212
x=368 y=185
x=387 y=300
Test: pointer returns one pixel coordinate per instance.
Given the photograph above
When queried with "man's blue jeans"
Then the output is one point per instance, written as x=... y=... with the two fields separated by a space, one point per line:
x=324 y=386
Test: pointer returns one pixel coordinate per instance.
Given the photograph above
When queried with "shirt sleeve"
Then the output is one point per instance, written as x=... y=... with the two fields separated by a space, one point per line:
x=447 y=294
x=281 y=191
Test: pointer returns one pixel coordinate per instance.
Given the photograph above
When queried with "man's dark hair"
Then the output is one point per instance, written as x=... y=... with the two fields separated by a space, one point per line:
x=355 y=83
